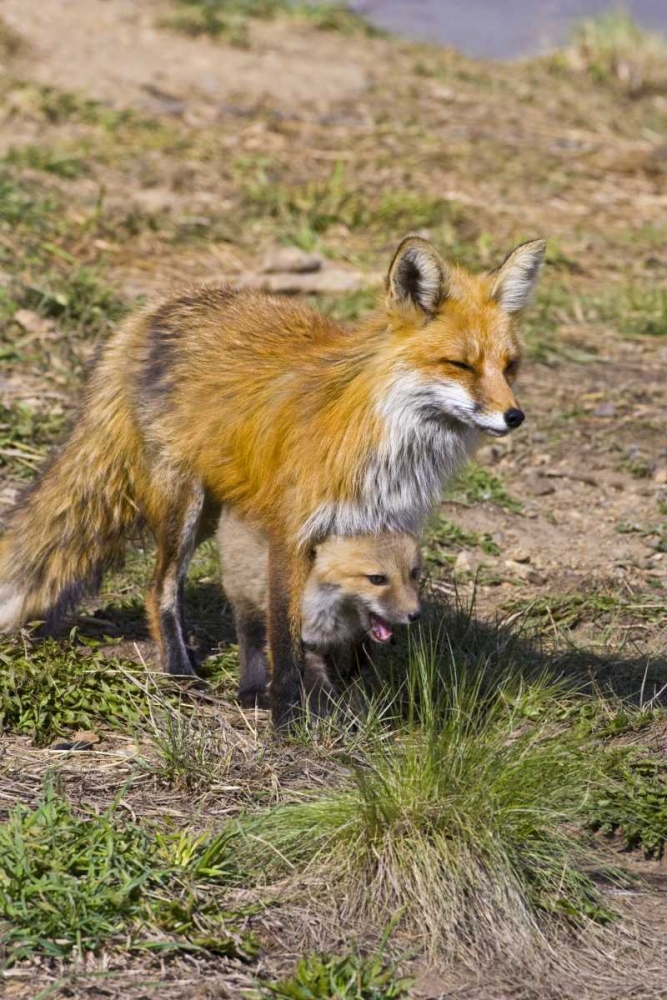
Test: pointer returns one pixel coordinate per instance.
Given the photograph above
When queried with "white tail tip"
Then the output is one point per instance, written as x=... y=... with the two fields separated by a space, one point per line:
x=11 y=606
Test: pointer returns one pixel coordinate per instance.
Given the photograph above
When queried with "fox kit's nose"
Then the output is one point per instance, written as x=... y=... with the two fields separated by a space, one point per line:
x=415 y=615
x=514 y=418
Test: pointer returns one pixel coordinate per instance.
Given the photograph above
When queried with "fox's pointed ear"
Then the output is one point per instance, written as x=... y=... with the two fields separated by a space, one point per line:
x=516 y=278
x=417 y=276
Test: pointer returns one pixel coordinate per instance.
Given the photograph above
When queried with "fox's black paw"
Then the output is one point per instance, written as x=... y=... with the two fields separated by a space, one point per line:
x=253 y=698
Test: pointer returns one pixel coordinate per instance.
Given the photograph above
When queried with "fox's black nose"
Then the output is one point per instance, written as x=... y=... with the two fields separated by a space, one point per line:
x=414 y=616
x=514 y=418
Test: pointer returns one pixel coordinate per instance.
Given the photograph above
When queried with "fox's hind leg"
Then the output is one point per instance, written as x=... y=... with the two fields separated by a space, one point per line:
x=253 y=661
x=176 y=537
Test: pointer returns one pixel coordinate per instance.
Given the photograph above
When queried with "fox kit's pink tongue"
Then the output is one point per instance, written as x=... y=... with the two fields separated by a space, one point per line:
x=380 y=630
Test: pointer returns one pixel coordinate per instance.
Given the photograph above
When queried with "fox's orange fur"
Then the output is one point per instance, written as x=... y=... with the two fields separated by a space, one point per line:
x=217 y=397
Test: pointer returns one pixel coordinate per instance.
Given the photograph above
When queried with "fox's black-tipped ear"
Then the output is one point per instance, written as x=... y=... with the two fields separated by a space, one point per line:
x=417 y=276
x=517 y=276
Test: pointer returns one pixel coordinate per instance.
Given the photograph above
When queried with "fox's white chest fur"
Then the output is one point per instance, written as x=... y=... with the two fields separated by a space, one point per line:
x=421 y=449
x=327 y=619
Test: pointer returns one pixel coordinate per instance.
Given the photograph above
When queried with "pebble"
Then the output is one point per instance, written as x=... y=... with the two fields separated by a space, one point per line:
x=291 y=260
x=605 y=410
x=32 y=322
x=287 y=283
x=464 y=564
x=522 y=571
x=539 y=486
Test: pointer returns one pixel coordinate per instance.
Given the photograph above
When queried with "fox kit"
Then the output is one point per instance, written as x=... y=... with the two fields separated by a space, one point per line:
x=356 y=587
x=216 y=397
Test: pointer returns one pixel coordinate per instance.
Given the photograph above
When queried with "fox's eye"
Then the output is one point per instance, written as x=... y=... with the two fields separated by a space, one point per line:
x=458 y=364
x=512 y=366
x=415 y=573
x=378 y=579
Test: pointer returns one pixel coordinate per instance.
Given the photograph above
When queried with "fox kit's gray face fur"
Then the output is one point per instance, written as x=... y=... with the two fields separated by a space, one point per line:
x=361 y=586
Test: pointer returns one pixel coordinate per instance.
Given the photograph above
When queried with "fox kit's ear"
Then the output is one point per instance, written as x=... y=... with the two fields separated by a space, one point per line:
x=517 y=276
x=417 y=276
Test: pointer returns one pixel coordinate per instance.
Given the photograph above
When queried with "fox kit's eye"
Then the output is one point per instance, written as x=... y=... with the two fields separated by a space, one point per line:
x=378 y=579
x=415 y=573
x=458 y=364
x=512 y=367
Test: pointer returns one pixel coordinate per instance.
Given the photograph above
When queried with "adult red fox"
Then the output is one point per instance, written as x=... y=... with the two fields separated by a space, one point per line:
x=356 y=587
x=216 y=397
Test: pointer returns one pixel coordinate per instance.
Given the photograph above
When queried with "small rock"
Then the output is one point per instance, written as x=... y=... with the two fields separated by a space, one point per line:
x=32 y=322
x=443 y=93
x=539 y=486
x=660 y=476
x=522 y=571
x=605 y=410
x=325 y=282
x=464 y=564
x=520 y=555
x=85 y=736
x=291 y=260
x=162 y=101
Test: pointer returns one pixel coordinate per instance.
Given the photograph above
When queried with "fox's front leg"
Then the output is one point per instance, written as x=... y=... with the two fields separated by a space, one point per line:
x=287 y=571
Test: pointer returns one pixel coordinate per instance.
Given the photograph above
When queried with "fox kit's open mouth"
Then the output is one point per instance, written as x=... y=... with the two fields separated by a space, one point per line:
x=380 y=629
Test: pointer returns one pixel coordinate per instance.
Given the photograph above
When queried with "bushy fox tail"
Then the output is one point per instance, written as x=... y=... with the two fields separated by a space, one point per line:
x=69 y=526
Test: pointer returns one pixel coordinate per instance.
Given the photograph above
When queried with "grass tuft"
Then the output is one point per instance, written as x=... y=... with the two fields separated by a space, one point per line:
x=308 y=211
x=51 y=161
x=25 y=437
x=231 y=18
x=74 y=881
x=192 y=752
x=332 y=977
x=477 y=485
x=442 y=533
x=633 y=807
x=50 y=688
x=614 y=51
x=460 y=823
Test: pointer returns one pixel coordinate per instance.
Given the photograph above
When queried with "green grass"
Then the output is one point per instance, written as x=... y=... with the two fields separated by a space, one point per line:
x=54 y=270
x=231 y=18
x=642 y=312
x=556 y=305
x=78 y=299
x=308 y=211
x=49 y=688
x=631 y=311
x=442 y=533
x=566 y=611
x=25 y=437
x=74 y=879
x=192 y=752
x=614 y=51
x=477 y=485
x=633 y=807
x=334 y=977
x=58 y=106
x=460 y=822
x=49 y=160
x=349 y=307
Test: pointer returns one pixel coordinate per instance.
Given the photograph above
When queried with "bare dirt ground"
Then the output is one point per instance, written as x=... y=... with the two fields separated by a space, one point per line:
x=340 y=144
